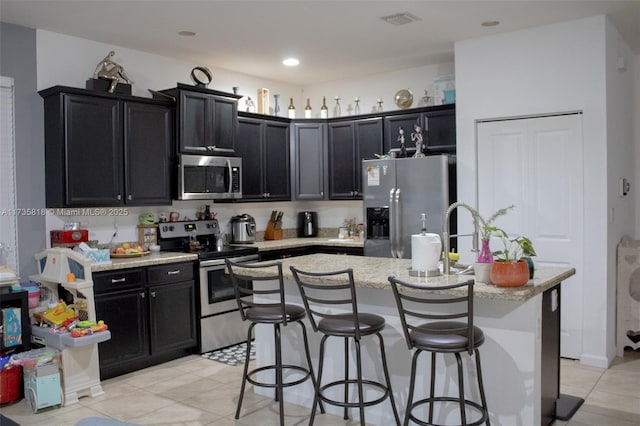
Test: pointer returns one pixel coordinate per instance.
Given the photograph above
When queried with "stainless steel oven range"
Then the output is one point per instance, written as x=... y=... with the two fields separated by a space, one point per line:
x=220 y=322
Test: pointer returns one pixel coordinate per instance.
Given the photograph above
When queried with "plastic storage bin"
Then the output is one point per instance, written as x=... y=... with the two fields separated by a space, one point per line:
x=41 y=378
x=10 y=389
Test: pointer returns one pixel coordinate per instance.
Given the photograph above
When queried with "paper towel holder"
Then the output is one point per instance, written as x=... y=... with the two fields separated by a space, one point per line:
x=431 y=273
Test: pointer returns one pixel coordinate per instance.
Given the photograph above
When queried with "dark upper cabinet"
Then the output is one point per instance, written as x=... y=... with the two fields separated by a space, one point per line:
x=102 y=150
x=438 y=129
x=207 y=120
x=349 y=143
x=392 y=126
x=148 y=140
x=264 y=147
x=309 y=158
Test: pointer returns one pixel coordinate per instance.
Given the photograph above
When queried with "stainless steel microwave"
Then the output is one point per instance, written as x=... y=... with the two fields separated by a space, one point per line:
x=204 y=177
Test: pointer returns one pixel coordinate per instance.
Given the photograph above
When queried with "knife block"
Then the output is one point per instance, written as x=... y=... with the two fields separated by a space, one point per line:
x=272 y=233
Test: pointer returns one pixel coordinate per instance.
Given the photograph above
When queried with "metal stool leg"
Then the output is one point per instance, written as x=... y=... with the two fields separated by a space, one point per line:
x=346 y=376
x=432 y=385
x=279 y=379
x=316 y=398
x=463 y=410
x=481 y=386
x=388 y=379
x=359 y=380
x=246 y=370
x=412 y=386
x=308 y=354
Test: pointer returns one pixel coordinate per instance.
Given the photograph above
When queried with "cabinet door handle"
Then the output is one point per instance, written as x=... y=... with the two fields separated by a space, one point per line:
x=118 y=280
x=118 y=197
x=142 y=295
x=130 y=197
x=176 y=272
x=153 y=293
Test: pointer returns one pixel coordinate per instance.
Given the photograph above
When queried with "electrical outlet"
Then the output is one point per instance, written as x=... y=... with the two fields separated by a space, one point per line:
x=625 y=187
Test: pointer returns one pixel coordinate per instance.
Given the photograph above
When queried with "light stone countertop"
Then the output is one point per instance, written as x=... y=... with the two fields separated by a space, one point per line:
x=148 y=260
x=372 y=272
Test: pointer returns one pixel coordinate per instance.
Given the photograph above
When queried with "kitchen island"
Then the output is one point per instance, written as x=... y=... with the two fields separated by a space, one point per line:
x=520 y=356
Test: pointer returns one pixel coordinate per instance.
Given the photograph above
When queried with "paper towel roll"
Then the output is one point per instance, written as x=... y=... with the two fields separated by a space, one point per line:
x=425 y=252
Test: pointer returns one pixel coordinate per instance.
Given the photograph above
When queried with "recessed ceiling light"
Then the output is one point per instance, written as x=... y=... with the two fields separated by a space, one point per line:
x=291 y=62
x=187 y=33
x=490 y=23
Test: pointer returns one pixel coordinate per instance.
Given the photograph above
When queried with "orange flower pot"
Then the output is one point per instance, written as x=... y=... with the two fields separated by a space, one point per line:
x=505 y=274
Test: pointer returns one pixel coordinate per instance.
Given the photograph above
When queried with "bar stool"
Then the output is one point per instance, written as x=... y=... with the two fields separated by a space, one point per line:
x=440 y=335
x=277 y=313
x=321 y=292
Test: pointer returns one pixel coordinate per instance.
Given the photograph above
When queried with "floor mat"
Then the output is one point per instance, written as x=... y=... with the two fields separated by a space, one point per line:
x=233 y=355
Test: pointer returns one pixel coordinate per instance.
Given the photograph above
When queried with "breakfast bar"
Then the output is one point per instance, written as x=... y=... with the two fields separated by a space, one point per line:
x=520 y=356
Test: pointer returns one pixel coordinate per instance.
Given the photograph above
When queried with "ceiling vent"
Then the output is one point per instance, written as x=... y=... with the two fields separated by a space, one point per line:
x=400 y=18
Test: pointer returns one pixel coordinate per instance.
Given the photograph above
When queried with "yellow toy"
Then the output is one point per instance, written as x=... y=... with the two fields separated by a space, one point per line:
x=59 y=313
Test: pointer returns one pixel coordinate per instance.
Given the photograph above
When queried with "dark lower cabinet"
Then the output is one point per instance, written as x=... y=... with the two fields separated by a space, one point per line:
x=151 y=313
x=302 y=251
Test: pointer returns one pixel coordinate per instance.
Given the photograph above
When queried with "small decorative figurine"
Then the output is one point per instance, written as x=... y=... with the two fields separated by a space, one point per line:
x=403 y=149
x=416 y=137
x=109 y=70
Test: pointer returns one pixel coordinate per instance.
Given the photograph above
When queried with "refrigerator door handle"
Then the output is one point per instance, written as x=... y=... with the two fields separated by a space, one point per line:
x=392 y=223
x=398 y=220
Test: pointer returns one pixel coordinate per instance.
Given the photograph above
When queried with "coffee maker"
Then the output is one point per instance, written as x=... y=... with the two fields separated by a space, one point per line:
x=307 y=224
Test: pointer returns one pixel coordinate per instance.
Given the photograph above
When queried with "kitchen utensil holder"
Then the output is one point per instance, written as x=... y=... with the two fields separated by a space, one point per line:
x=272 y=233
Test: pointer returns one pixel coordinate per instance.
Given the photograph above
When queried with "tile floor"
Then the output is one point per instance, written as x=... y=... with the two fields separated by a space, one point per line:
x=196 y=391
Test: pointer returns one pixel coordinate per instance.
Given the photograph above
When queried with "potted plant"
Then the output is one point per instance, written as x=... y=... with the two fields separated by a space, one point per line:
x=484 y=262
x=510 y=269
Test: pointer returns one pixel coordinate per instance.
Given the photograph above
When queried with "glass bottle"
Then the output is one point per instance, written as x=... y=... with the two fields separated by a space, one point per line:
x=307 y=109
x=324 y=111
x=292 y=109
x=356 y=110
x=276 y=106
x=379 y=104
x=336 y=108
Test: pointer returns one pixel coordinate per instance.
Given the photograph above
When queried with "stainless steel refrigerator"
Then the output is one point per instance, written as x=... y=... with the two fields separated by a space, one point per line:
x=395 y=192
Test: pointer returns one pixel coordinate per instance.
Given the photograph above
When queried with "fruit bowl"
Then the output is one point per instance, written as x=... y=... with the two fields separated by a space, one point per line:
x=128 y=249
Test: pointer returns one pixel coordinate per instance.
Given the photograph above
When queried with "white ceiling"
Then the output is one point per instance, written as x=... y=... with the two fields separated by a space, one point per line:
x=333 y=39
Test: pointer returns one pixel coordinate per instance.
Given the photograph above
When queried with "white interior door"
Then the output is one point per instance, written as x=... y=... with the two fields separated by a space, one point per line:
x=536 y=164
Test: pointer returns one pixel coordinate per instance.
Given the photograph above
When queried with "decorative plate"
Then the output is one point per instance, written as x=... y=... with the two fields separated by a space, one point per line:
x=403 y=98
x=201 y=76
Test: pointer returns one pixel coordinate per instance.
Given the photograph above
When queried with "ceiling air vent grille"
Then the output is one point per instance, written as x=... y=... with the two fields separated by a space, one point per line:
x=400 y=18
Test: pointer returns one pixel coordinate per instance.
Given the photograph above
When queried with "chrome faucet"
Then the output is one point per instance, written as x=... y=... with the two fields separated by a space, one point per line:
x=447 y=238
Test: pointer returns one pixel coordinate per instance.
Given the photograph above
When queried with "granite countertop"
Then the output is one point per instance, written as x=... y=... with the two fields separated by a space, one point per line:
x=372 y=272
x=287 y=243
x=148 y=260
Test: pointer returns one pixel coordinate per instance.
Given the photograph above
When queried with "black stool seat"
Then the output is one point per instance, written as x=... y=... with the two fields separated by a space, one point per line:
x=325 y=295
x=273 y=314
x=445 y=336
x=268 y=311
x=441 y=335
x=344 y=324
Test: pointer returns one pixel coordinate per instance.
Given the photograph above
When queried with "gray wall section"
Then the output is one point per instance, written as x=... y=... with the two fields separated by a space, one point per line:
x=18 y=60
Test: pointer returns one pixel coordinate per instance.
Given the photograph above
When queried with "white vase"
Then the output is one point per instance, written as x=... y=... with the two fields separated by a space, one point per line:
x=483 y=272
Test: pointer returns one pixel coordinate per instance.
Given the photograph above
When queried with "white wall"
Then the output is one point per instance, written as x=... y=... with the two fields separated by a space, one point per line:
x=619 y=68
x=369 y=88
x=635 y=188
x=542 y=70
